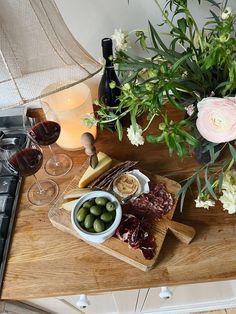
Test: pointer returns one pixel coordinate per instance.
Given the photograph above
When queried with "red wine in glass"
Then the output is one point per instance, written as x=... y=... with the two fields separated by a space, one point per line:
x=26 y=162
x=45 y=132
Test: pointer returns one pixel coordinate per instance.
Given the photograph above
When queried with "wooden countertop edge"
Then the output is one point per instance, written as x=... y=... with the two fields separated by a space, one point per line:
x=115 y=289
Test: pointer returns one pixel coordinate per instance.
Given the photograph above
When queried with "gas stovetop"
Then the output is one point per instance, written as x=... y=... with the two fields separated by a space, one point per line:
x=11 y=130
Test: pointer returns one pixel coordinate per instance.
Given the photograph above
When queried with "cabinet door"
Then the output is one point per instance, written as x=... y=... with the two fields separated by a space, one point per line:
x=126 y=301
x=189 y=297
x=15 y=307
x=53 y=305
x=98 y=303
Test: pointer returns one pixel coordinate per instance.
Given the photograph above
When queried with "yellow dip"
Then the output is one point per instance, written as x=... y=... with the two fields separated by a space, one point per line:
x=125 y=185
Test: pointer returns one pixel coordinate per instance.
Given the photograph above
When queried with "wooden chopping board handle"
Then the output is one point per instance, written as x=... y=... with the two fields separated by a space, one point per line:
x=182 y=232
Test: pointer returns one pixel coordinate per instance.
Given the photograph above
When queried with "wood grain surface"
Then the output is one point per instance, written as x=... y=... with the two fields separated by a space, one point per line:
x=44 y=261
x=61 y=219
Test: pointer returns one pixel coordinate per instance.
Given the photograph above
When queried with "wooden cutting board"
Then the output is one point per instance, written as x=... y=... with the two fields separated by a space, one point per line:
x=61 y=219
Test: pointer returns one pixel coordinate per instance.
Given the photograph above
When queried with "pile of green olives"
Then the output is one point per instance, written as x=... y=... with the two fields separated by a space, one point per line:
x=96 y=215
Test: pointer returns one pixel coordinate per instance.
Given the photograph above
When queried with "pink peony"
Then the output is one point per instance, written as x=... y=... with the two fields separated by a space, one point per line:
x=216 y=120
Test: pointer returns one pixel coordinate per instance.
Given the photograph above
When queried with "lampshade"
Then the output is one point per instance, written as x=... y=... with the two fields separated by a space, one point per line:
x=38 y=53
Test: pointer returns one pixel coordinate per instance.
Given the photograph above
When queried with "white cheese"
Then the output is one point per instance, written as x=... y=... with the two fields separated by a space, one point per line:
x=104 y=163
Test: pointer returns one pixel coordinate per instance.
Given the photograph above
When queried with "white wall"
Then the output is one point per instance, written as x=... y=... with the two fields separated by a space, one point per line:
x=91 y=20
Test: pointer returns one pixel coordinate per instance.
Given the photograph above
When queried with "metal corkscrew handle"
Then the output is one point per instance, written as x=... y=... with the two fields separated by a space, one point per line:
x=88 y=141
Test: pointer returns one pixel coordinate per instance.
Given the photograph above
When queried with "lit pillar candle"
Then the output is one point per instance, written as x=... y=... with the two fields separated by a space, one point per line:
x=69 y=107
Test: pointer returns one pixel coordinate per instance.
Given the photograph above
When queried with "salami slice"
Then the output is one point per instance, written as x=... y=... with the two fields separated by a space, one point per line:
x=156 y=203
x=132 y=231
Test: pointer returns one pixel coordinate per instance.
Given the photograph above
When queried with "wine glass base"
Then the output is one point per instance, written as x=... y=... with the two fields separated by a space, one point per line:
x=47 y=192
x=58 y=165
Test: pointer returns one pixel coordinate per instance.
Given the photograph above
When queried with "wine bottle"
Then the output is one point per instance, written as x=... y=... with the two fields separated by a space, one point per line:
x=106 y=94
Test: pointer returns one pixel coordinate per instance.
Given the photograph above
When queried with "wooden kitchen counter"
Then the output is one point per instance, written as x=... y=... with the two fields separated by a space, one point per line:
x=44 y=261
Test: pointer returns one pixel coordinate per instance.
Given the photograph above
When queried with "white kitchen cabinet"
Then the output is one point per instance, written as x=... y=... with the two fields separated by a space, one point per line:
x=98 y=303
x=126 y=301
x=53 y=306
x=182 y=299
x=189 y=298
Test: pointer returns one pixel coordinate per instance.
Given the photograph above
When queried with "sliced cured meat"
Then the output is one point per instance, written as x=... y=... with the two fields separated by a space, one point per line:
x=156 y=203
x=128 y=224
x=132 y=231
x=136 y=224
x=148 y=246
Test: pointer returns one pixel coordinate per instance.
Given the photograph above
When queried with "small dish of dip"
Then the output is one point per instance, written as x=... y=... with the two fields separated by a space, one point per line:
x=126 y=185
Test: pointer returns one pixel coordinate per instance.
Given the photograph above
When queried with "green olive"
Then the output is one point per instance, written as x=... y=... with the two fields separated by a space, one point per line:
x=98 y=225
x=113 y=213
x=82 y=224
x=108 y=224
x=88 y=222
x=82 y=213
x=106 y=217
x=101 y=201
x=96 y=210
x=88 y=204
x=91 y=230
x=110 y=206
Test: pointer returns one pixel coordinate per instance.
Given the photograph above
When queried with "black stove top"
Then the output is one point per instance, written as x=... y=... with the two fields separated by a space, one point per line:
x=11 y=131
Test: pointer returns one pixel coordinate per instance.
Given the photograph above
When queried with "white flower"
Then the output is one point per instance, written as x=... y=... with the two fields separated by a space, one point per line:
x=190 y=110
x=204 y=203
x=228 y=199
x=135 y=138
x=229 y=181
x=226 y=13
x=121 y=39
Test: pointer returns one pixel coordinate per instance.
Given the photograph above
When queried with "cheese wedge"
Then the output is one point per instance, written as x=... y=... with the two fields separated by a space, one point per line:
x=76 y=193
x=69 y=206
x=104 y=163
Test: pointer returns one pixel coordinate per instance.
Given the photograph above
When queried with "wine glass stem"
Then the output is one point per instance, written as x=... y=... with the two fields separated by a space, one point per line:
x=41 y=190
x=53 y=155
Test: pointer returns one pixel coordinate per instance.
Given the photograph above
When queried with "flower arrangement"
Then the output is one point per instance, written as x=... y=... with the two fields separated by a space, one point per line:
x=195 y=73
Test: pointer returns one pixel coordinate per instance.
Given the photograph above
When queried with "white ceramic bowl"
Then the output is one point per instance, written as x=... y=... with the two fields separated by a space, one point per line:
x=101 y=236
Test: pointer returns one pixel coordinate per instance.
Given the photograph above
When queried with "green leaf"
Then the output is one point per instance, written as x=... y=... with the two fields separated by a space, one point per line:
x=183 y=191
x=180 y=61
x=156 y=38
x=199 y=187
x=133 y=118
x=189 y=138
x=223 y=84
x=216 y=17
x=182 y=25
x=173 y=102
x=232 y=151
x=180 y=150
x=119 y=129
x=168 y=56
x=155 y=139
x=213 y=2
x=209 y=185
x=220 y=178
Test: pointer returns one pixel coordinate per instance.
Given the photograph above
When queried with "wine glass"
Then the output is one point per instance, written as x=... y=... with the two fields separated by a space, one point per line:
x=46 y=132
x=25 y=160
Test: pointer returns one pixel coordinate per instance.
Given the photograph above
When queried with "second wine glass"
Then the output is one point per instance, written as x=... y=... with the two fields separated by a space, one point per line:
x=46 y=132
x=25 y=160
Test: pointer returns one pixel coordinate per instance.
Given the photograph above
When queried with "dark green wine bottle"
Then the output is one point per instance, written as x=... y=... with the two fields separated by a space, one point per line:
x=107 y=95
